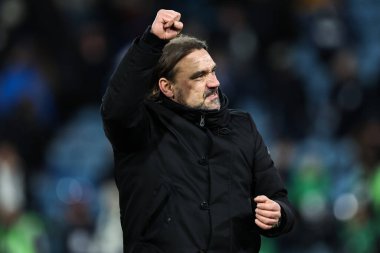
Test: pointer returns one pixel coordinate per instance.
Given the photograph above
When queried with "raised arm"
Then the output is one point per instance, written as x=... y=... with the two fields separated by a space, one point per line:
x=122 y=104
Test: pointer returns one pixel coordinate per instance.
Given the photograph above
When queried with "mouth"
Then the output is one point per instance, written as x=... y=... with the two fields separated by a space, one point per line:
x=211 y=100
x=212 y=94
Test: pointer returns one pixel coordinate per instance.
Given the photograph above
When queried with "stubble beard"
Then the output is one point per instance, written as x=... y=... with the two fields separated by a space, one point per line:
x=211 y=105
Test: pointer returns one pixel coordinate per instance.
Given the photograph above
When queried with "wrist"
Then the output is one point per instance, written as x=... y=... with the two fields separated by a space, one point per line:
x=152 y=40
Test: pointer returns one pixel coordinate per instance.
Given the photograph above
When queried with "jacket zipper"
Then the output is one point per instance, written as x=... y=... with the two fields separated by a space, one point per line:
x=202 y=122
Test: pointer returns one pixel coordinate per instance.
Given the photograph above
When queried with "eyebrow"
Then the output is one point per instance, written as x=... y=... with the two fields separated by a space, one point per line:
x=201 y=73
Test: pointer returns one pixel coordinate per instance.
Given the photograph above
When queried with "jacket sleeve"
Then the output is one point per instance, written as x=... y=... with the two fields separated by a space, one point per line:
x=268 y=182
x=122 y=108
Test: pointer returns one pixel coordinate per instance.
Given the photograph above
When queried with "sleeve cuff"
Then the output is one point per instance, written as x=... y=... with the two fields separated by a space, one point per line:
x=150 y=40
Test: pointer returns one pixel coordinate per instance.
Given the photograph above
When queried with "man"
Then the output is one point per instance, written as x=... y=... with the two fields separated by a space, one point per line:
x=193 y=175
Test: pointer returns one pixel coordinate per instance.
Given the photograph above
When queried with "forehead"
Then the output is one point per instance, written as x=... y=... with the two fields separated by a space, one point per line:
x=199 y=59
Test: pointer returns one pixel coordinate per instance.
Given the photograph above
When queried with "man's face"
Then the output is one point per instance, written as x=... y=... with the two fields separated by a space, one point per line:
x=195 y=83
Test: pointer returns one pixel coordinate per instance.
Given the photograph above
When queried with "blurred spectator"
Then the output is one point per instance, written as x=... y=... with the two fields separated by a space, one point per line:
x=79 y=150
x=27 y=106
x=359 y=206
x=12 y=197
x=286 y=93
x=368 y=139
x=79 y=228
x=108 y=237
x=78 y=159
x=347 y=94
x=20 y=230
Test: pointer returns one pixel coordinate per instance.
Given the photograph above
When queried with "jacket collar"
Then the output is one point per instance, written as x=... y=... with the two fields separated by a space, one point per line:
x=212 y=119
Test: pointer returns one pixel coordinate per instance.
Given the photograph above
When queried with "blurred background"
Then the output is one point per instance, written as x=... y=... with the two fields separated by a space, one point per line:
x=307 y=70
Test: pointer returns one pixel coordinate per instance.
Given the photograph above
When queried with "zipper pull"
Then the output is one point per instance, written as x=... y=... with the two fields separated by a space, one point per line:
x=202 y=122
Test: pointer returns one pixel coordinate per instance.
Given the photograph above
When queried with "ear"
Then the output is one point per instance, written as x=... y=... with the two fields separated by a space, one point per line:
x=166 y=87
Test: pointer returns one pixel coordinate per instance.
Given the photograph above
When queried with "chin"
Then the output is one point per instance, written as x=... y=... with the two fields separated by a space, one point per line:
x=210 y=108
x=215 y=106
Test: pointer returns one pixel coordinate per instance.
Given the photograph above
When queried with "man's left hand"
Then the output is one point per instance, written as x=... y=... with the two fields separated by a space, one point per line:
x=267 y=212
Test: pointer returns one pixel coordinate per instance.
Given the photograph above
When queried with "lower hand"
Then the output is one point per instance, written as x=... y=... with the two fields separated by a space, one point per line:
x=267 y=212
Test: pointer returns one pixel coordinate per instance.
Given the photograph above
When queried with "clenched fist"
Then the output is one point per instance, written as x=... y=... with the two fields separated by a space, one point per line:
x=267 y=213
x=167 y=24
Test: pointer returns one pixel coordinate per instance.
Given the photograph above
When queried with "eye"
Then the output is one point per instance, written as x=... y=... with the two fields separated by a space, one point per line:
x=203 y=75
x=200 y=77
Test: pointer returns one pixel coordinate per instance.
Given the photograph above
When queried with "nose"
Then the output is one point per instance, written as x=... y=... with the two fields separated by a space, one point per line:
x=212 y=81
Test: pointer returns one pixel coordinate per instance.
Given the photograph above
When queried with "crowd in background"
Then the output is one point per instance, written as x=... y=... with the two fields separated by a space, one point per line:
x=308 y=71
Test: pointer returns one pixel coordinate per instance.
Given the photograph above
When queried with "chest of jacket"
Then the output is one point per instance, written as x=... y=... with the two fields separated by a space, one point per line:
x=190 y=180
x=220 y=157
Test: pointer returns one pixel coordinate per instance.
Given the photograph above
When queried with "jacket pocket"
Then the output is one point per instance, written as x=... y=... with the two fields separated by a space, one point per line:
x=160 y=213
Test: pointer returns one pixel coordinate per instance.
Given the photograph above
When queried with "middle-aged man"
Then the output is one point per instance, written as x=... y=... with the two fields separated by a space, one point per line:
x=193 y=175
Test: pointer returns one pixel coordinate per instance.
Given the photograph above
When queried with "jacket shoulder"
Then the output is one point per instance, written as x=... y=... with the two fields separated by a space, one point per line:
x=243 y=118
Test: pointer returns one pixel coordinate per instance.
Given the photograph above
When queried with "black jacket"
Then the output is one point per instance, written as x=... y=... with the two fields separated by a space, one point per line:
x=185 y=177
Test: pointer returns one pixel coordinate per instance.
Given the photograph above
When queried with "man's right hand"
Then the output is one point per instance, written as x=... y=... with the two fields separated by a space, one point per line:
x=167 y=24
